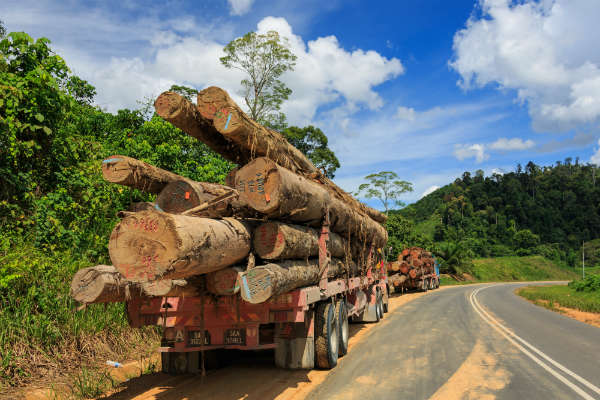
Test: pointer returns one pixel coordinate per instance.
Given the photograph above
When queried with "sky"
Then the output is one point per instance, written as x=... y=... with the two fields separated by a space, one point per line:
x=425 y=88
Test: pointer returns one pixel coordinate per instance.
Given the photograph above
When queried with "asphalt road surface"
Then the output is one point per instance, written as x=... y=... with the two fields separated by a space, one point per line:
x=470 y=342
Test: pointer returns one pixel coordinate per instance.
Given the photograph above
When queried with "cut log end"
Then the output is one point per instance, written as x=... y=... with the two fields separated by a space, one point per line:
x=169 y=105
x=98 y=284
x=151 y=245
x=258 y=183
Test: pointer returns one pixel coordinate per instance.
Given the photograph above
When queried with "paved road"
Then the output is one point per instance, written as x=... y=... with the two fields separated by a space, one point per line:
x=471 y=342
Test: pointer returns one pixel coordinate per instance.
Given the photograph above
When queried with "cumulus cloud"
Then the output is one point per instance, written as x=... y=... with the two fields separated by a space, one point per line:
x=504 y=144
x=544 y=50
x=406 y=113
x=240 y=7
x=596 y=157
x=128 y=60
x=325 y=73
x=430 y=190
x=477 y=151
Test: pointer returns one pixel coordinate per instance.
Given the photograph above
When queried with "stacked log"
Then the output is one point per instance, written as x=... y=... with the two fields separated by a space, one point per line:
x=413 y=263
x=259 y=235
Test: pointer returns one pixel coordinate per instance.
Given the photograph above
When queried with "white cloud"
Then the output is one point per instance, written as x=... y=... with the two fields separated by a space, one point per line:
x=430 y=190
x=544 y=50
x=504 y=144
x=596 y=156
x=128 y=60
x=325 y=73
x=477 y=151
x=405 y=113
x=240 y=7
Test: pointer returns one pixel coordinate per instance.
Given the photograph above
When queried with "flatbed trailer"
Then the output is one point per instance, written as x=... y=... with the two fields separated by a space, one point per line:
x=307 y=327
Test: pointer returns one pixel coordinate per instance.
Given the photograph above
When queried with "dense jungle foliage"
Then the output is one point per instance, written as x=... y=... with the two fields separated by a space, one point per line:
x=546 y=210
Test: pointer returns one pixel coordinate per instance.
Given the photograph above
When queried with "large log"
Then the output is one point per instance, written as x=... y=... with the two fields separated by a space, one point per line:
x=281 y=194
x=263 y=282
x=99 y=284
x=224 y=282
x=276 y=240
x=212 y=100
x=244 y=136
x=137 y=174
x=149 y=245
x=180 y=112
x=184 y=194
x=202 y=199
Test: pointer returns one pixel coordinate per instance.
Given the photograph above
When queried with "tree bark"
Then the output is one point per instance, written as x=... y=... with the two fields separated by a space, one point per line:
x=150 y=245
x=281 y=194
x=240 y=139
x=224 y=281
x=238 y=128
x=263 y=282
x=184 y=115
x=99 y=284
x=136 y=174
x=276 y=240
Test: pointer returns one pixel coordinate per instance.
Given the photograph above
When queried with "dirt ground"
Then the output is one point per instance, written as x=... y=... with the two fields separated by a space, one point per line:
x=251 y=376
x=583 y=316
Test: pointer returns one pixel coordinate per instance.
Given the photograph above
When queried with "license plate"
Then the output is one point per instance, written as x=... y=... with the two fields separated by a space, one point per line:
x=235 y=336
x=195 y=338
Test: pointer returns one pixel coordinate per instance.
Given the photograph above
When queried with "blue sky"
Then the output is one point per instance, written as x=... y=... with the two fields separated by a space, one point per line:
x=425 y=88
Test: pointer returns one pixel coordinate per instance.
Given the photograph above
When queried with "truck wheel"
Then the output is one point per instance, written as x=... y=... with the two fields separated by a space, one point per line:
x=342 y=314
x=326 y=336
x=380 y=305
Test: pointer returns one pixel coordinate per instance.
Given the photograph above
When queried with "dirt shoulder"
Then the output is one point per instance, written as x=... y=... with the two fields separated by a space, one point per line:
x=553 y=303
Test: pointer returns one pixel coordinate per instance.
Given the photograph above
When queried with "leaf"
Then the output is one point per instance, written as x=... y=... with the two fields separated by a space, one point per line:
x=39 y=117
x=47 y=130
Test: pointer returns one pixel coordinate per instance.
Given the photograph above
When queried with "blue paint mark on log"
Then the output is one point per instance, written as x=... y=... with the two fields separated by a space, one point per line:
x=157 y=207
x=245 y=285
x=228 y=119
x=111 y=160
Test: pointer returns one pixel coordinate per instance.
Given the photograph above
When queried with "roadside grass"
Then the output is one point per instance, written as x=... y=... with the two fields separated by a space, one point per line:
x=564 y=296
x=42 y=336
x=513 y=268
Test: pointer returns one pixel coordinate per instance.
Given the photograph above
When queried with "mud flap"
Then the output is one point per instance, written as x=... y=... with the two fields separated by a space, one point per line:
x=295 y=344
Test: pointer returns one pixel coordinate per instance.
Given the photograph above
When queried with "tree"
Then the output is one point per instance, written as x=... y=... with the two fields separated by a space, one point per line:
x=313 y=143
x=386 y=187
x=2 y=29
x=187 y=92
x=264 y=58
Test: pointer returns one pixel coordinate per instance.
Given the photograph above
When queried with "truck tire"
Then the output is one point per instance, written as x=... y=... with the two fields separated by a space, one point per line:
x=326 y=336
x=344 y=330
x=380 y=305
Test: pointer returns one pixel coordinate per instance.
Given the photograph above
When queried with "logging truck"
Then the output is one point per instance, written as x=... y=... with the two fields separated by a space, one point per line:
x=278 y=258
x=306 y=327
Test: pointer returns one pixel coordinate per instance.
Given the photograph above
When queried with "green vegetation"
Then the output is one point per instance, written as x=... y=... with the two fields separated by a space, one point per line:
x=56 y=211
x=547 y=211
x=512 y=268
x=386 y=187
x=564 y=296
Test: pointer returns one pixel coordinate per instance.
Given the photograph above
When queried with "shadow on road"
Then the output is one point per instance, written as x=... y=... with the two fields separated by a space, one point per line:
x=246 y=374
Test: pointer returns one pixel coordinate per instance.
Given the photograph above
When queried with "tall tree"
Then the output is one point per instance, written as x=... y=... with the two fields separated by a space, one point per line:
x=264 y=58
x=313 y=142
x=386 y=187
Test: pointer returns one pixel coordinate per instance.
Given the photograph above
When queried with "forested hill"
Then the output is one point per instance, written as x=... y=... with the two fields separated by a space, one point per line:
x=545 y=210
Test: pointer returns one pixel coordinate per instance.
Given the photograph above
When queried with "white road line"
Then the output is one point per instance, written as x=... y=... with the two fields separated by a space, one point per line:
x=511 y=336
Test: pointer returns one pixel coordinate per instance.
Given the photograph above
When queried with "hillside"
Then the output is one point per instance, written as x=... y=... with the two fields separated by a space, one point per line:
x=545 y=210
